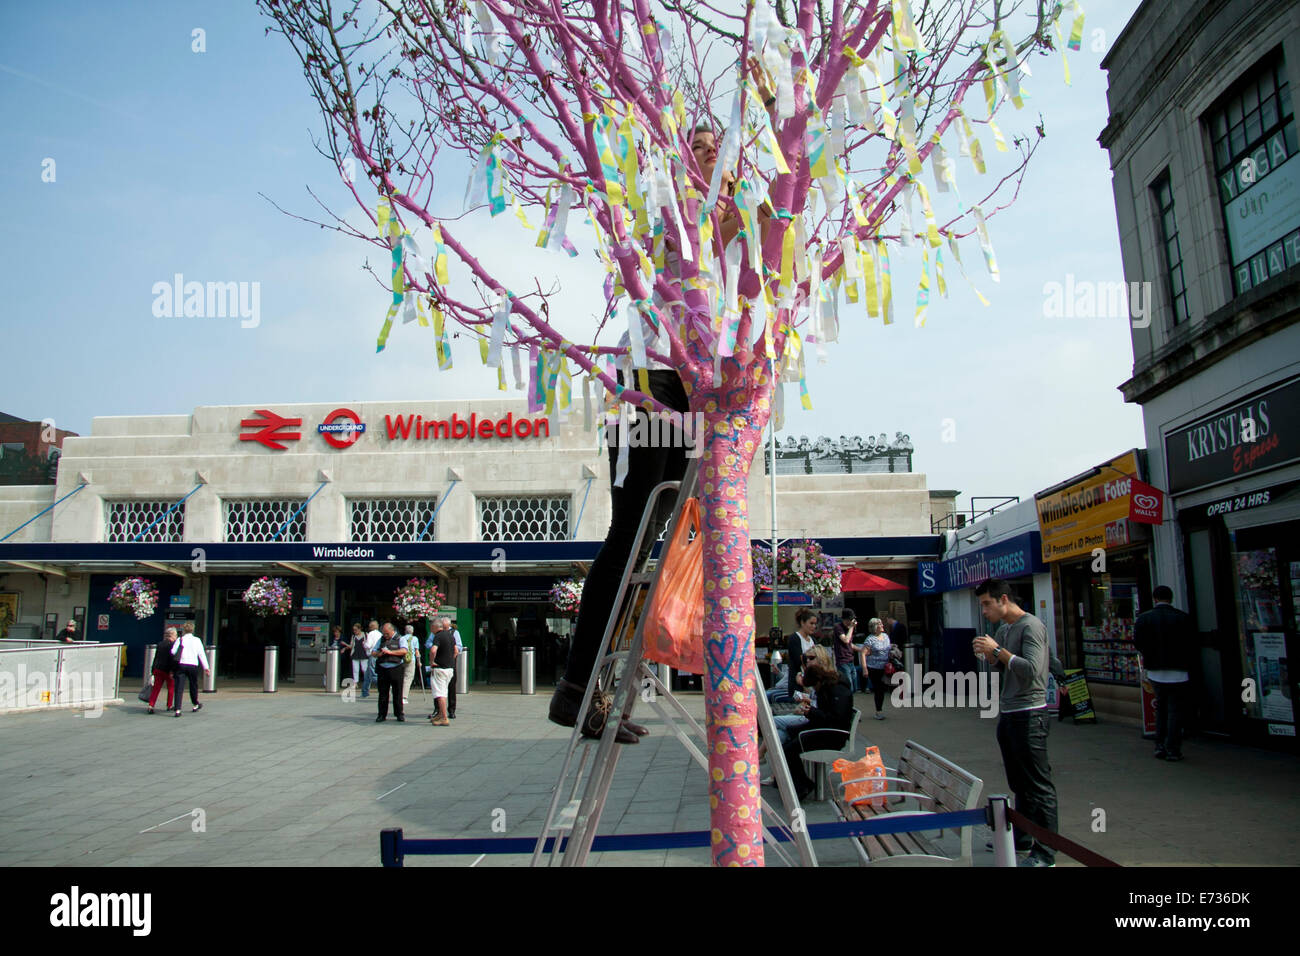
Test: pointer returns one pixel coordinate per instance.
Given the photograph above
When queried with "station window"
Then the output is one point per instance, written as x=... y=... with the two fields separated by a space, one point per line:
x=392 y=519
x=143 y=521
x=523 y=518
x=266 y=519
x=1253 y=133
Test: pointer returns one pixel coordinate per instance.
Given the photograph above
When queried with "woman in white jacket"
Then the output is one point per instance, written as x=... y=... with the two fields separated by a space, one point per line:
x=188 y=650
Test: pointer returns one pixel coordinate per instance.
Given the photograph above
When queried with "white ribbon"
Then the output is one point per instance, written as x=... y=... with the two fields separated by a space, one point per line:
x=500 y=319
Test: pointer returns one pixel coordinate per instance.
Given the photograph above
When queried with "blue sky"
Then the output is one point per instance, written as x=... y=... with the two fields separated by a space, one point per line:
x=160 y=155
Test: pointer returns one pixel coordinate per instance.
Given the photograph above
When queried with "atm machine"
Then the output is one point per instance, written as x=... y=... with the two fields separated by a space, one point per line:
x=311 y=637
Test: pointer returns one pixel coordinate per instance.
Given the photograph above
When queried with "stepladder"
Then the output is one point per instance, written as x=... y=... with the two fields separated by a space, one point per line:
x=622 y=680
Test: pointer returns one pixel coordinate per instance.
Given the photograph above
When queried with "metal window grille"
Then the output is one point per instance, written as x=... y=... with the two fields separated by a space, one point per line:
x=520 y=518
x=1253 y=132
x=1164 y=198
x=260 y=519
x=123 y=520
x=392 y=519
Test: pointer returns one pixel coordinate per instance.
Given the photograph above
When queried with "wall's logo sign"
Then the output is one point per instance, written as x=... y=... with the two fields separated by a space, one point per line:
x=271 y=429
x=341 y=428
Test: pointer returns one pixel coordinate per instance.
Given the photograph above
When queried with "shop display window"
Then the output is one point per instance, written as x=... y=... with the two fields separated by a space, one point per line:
x=1266 y=582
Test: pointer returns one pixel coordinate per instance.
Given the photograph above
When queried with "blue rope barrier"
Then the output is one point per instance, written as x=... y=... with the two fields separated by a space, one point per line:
x=393 y=846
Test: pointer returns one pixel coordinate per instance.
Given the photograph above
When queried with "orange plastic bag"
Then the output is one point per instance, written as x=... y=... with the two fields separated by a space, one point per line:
x=869 y=766
x=674 y=627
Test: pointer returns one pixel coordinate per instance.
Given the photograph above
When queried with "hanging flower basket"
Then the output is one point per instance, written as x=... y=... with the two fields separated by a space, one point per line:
x=137 y=595
x=269 y=597
x=566 y=596
x=801 y=565
x=417 y=599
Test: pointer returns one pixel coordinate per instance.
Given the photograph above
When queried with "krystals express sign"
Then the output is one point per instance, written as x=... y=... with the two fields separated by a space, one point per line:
x=1256 y=435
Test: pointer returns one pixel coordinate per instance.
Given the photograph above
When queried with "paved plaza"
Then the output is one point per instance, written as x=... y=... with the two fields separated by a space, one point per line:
x=303 y=778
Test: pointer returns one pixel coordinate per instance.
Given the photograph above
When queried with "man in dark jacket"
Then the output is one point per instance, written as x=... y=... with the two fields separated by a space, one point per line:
x=1166 y=642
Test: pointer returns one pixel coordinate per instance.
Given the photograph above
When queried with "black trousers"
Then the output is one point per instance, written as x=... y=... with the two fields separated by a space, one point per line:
x=451 y=688
x=647 y=467
x=879 y=686
x=390 y=680
x=1022 y=738
x=812 y=740
x=1171 y=706
x=192 y=672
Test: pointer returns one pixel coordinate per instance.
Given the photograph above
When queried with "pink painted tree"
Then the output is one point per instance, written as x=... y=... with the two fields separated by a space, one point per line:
x=583 y=112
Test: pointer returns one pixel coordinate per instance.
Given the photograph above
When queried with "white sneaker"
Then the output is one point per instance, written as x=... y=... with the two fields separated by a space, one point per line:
x=880 y=716
x=405 y=701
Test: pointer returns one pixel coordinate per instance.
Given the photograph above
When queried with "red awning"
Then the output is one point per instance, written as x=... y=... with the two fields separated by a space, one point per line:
x=855 y=579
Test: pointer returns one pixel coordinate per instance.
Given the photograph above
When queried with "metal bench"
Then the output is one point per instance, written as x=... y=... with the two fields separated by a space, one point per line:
x=923 y=783
x=817 y=763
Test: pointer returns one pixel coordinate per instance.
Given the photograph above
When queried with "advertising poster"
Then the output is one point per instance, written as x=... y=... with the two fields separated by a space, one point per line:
x=1148 y=707
x=1273 y=681
x=1078 y=697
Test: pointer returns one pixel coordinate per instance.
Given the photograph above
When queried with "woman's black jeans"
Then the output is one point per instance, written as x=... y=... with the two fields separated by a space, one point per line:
x=647 y=467
x=879 y=686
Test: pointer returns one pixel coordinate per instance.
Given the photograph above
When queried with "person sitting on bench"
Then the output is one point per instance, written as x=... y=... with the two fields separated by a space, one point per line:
x=832 y=712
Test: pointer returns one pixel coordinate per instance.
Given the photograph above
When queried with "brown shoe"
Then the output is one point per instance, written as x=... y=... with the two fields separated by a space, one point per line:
x=636 y=728
x=594 y=725
x=441 y=722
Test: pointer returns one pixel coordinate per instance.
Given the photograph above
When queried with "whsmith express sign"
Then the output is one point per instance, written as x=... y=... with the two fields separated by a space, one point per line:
x=1013 y=558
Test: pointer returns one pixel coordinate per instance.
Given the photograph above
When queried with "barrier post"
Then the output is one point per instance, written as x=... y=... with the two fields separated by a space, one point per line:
x=149 y=650
x=1004 y=839
x=390 y=847
x=270 y=667
x=332 y=670
x=527 y=672
x=210 y=678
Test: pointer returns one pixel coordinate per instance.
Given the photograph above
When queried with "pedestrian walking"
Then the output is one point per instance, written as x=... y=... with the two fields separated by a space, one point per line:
x=1021 y=654
x=412 y=662
x=874 y=656
x=460 y=662
x=389 y=655
x=373 y=637
x=443 y=660
x=357 y=654
x=845 y=652
x=163 y=669
x=1166 y=641
x=190 y=662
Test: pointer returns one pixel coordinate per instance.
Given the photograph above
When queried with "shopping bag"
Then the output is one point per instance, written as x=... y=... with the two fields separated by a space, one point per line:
x=145 y=691
x=674 y=627
x=870 y=766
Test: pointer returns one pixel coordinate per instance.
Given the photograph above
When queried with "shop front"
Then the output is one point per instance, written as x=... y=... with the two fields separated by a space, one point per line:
x=1234 y=479
x=1096 y=539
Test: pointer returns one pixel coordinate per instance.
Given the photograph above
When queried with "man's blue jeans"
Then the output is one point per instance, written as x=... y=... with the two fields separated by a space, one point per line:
x=850 y=673
x=370 y=679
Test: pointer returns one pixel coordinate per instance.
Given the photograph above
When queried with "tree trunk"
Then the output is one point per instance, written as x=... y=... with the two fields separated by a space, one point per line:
x=731 y=681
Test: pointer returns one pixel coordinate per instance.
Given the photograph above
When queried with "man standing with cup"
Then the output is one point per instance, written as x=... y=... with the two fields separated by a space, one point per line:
x=1020 y=653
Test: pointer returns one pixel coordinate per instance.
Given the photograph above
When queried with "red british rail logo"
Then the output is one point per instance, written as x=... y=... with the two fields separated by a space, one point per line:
x=271 y=429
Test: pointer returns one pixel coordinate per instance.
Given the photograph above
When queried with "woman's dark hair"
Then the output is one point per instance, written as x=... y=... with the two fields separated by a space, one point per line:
x=816 y=673
x=803 y=616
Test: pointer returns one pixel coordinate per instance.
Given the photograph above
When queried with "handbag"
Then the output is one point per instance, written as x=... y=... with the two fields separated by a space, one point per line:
x=852 y=773
x=674 y=626
x=144 y=693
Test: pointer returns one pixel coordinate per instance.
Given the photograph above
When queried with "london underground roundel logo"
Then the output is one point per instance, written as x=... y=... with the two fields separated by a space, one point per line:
x=341 y=428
